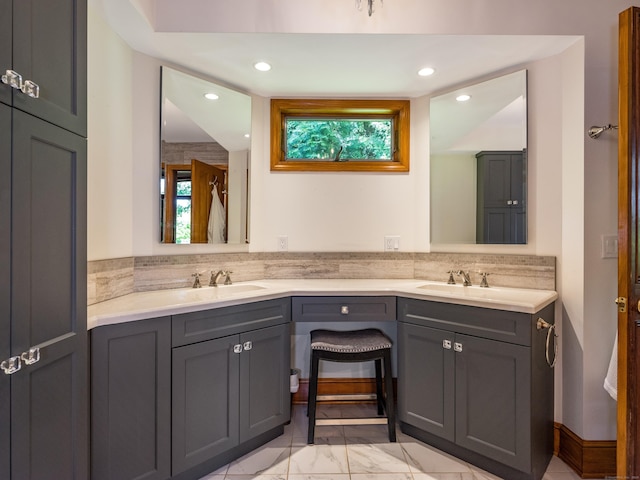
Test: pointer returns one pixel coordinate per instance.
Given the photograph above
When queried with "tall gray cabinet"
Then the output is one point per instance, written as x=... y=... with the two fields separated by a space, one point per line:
x=43 y=339
x=501 y=206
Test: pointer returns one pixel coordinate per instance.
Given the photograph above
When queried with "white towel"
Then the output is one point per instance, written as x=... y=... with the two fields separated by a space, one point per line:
x=611 y=380
x=215 y=230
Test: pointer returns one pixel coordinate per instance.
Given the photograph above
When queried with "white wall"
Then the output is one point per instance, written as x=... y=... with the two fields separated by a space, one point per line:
x=453 y=193
x=110 y=134
x=572 y=178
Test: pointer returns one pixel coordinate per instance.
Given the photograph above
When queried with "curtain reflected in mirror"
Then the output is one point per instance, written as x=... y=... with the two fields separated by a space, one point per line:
x=205 y=154
x=478 y=157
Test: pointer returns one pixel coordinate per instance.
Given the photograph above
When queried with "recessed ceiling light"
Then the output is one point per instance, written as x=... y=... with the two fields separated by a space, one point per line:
x=463 y=98
x=262 y=66
x=426 y=71
x=211 y=96
x=246 y=135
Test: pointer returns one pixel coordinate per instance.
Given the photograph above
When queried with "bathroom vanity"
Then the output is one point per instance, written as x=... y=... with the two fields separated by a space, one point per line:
x=181 y=395
x=475 y=383
x=186 y=381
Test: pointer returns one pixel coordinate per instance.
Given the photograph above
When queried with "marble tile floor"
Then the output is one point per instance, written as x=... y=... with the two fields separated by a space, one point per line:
x=361 y=452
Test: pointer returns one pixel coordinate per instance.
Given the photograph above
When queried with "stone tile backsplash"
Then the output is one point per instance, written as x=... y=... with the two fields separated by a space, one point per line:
x=116 y=277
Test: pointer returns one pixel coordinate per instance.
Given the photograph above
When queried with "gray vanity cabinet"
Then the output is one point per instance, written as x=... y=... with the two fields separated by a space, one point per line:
x=45 y=43
x=474 y=382
x=130 y=400
x=230 y=392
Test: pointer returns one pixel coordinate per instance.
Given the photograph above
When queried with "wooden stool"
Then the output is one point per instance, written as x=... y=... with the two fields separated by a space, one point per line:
x=353 y=346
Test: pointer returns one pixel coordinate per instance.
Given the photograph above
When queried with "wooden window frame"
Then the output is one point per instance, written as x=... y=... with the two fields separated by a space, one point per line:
x=397 y=109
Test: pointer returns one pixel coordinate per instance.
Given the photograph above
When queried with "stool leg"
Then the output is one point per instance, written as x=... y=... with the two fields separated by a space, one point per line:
x=379 y=396
x=389 y=403
x=313 y=391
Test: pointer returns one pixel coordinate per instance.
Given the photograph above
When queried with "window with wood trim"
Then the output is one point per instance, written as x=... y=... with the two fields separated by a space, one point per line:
x=340 y=135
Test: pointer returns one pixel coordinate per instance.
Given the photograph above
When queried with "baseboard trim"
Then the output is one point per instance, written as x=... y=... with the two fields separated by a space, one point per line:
x=337 y=386
x=589 y=458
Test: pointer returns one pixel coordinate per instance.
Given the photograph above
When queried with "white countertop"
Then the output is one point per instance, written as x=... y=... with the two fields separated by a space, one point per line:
x=142 y=305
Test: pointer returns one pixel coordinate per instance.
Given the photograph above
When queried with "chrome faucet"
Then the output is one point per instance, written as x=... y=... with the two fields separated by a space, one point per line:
x=215 y=276
x=484 y=282
x=196 y=281
x=465 y=277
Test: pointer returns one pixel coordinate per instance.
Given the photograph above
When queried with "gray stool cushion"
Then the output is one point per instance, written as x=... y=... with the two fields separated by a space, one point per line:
x=353 y=341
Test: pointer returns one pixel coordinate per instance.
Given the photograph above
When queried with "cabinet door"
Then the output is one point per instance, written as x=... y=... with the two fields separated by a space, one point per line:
x=6 y=7
x=131 y=400
x=264 y=380
x=425 y=379
x=5 y=281
x=49 y=48
x=49 y=408
x=205 y=401
x=492 y=400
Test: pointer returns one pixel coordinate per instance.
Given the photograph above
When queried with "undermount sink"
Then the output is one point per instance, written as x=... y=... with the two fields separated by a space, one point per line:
x=221 y=291
x=485 y=293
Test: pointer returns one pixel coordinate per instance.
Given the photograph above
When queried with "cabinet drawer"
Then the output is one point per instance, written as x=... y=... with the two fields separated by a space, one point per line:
x=513 y=327
x=340 y=309
x=196 y=327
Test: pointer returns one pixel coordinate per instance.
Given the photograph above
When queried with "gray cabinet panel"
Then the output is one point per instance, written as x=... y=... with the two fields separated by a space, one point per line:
x=483 y=322
x=6 y=7
x=130 y=401
x=343 y=308
x=49 y=411
x=49 y=48
x=426 y=385
x=48 y=301
x=205 y=401
x=264 y=380
x=48 y=233
x=194 y=327
x=493 y=406
x=5 y=280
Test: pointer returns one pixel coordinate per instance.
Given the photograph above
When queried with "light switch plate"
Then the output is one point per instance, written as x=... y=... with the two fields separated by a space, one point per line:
x=391 y=243
x=609 y=246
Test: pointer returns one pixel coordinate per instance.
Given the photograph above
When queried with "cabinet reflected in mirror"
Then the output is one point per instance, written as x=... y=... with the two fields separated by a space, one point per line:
x=205 y=154
x=478 y=158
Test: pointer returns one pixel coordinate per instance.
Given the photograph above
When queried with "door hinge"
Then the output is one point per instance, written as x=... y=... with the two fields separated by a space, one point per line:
x=622 y=304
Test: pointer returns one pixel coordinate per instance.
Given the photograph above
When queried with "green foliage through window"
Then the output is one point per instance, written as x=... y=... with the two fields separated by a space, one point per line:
x=338 y=139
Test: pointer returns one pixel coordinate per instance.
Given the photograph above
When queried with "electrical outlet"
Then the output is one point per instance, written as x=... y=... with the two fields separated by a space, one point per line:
x=283 y=243
x=391 y=243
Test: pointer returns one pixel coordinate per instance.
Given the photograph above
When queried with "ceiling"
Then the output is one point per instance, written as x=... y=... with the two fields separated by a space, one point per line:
x=323 y=64
x=327 y=64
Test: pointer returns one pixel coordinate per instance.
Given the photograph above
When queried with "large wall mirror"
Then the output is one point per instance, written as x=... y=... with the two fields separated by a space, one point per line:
x=205 y=155
x=479 y=163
